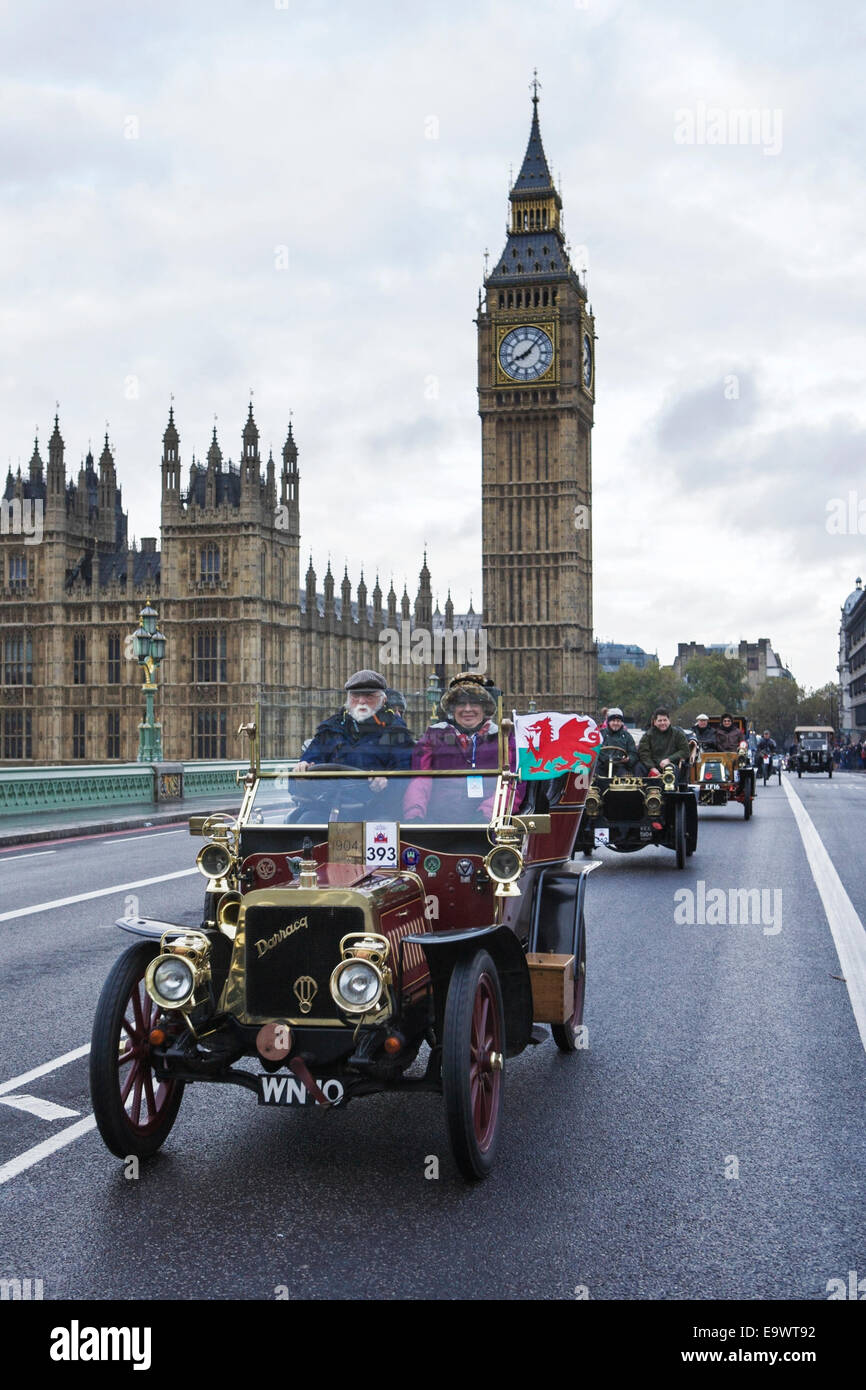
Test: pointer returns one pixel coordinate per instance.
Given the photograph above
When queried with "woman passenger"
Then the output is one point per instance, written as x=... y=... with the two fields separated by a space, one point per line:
x=466 y=739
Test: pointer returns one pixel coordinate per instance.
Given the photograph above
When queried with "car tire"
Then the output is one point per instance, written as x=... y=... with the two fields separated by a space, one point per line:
x=134 y=1111
x=680 y=834
x=474 y=1029
x=830 y=773
x=568 y=1036
x=747 y=803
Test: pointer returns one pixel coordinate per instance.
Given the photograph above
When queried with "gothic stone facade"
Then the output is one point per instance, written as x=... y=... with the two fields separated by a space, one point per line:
x=225 y=584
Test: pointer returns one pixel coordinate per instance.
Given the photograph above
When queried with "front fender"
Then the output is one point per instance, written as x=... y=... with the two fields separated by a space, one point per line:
x=444 y=949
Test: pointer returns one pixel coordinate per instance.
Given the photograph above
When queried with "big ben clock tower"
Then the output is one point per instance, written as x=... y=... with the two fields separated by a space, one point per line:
x=536 y=387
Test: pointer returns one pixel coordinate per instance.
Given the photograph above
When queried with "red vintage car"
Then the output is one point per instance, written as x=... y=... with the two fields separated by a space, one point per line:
x=349 y=953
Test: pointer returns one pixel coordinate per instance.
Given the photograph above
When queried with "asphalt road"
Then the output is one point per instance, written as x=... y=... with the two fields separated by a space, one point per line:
x=707 y=1144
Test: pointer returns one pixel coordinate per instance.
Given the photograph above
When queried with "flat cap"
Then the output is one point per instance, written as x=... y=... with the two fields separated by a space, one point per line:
x=366 y=680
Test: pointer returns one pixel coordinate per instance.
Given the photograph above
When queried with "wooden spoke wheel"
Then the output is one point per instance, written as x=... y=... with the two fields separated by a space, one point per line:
x=473 y=1058
x=134 y=1110
x=568 y=1036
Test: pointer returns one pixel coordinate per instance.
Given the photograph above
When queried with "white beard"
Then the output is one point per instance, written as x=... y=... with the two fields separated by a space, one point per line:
x=362 y=712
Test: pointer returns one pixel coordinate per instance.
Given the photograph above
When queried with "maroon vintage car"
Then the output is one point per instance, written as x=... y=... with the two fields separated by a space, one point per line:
x=349 y=953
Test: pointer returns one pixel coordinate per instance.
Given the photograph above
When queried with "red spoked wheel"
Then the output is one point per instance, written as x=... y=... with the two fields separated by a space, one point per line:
x=134 y=1110
x=569 y=1036
x=473 y=1061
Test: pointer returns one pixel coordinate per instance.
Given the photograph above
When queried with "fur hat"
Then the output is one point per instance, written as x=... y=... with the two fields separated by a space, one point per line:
x=468 y=686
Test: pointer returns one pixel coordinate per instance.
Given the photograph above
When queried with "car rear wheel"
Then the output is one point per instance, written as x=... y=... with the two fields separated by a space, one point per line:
x=568 y=1036
x=473 y=1056
x=134 y=1110
x=680 y=834
x=747 y=802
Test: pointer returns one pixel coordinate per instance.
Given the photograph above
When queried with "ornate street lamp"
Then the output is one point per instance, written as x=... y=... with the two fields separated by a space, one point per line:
x=148 y=643
x=433 y=694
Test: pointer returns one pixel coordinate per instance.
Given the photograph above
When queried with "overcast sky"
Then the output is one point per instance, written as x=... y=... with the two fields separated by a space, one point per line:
x=295 y=197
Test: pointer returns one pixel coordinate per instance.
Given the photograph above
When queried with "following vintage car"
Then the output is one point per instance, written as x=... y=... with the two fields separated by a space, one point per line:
x=627 y=813
x=719 y=777
x=814 y=752
x=336 y=942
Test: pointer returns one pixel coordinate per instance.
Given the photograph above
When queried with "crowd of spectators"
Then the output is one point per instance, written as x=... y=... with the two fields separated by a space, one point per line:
x=850 y=755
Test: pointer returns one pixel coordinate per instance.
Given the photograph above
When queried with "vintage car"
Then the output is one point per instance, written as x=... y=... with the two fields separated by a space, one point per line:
x=627 y=813
x=336 y=943
x=814 y=748
x=717 y=778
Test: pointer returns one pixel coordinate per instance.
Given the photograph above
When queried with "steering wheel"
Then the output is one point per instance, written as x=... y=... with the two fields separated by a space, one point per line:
x=317 y=792
x=610 y=748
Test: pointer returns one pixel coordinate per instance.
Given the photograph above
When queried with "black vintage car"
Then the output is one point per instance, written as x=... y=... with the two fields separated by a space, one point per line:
x=814 y=752
x=337 y=942
x=626 y=813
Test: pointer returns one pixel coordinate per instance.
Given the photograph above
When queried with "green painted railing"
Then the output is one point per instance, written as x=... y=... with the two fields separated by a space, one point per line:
x=24 y=790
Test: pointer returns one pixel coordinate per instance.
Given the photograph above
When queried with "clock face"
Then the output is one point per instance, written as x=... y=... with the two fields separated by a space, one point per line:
x=525 y=353
x=587 y=361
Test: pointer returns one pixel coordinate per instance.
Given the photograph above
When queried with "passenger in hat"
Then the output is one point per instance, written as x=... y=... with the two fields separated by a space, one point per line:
x=704 y=735
x=364 y=734
x=466 y=738
x=616 y=735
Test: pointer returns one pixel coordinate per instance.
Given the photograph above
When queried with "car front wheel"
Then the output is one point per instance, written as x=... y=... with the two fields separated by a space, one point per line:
x=134 y=1110
x=473 y=1057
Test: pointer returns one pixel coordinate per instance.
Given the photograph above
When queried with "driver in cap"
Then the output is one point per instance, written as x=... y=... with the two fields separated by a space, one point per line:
x=616 y=735
x=364 y=734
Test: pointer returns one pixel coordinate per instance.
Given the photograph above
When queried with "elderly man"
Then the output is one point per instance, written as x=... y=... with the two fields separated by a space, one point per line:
x=364 y=734
x=704 y=735
x=662 y=745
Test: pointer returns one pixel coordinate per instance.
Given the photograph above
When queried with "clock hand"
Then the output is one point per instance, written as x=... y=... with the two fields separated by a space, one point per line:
x=519 y=355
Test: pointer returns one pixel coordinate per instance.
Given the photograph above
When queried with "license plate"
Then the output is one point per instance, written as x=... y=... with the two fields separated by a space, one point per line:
x=288 y=1090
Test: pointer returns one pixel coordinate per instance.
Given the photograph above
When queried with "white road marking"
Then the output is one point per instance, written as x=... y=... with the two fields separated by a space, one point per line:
x=97 y=893
x=46 y=1148
x=845 y=925
x=46 y=1067
x=37 y=854
x=128 y=839
x=35 y=1105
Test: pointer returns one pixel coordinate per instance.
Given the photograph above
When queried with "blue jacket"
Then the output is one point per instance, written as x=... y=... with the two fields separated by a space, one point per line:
x=381 y=743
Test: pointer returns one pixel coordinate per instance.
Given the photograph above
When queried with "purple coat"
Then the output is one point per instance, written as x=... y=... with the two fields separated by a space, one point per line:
x=441 y=748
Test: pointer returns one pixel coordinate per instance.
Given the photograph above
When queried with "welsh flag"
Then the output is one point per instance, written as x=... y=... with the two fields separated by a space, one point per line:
x=550 y=744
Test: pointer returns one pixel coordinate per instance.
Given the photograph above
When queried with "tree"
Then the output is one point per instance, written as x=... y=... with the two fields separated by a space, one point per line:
x=820 y=706
x=775 y=706
x=637 y=690
x=720 y=677
x=698 y=704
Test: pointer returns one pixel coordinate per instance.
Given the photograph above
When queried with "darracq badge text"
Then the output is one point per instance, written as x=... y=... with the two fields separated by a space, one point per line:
x=265 y=944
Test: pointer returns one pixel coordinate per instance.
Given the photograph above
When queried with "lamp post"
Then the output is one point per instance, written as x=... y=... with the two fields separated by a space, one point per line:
x=433 y=694
x=149 y=646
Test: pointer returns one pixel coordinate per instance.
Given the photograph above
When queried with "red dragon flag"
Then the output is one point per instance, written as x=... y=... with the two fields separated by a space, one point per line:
x=550 y=744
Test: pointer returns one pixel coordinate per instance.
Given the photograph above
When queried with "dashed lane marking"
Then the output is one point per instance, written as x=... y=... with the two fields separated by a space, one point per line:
x=845 y=925
x=35 y=1105
x=97 y=893
x=27 y=1076
x=36 y=854
x=46 y=1148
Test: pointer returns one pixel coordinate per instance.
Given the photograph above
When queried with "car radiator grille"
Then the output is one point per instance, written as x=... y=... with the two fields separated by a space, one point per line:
x=626 y=805
x=276 y=962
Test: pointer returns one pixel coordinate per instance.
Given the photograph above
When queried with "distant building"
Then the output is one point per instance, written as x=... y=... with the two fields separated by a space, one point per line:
x=611 y=656
x=852 y=662
x=762 y=663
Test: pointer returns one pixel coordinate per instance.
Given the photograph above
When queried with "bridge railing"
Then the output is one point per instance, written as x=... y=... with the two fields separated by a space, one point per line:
x=31 y=790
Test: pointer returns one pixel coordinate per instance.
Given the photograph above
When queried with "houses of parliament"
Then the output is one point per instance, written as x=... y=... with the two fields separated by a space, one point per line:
x=243 y=625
